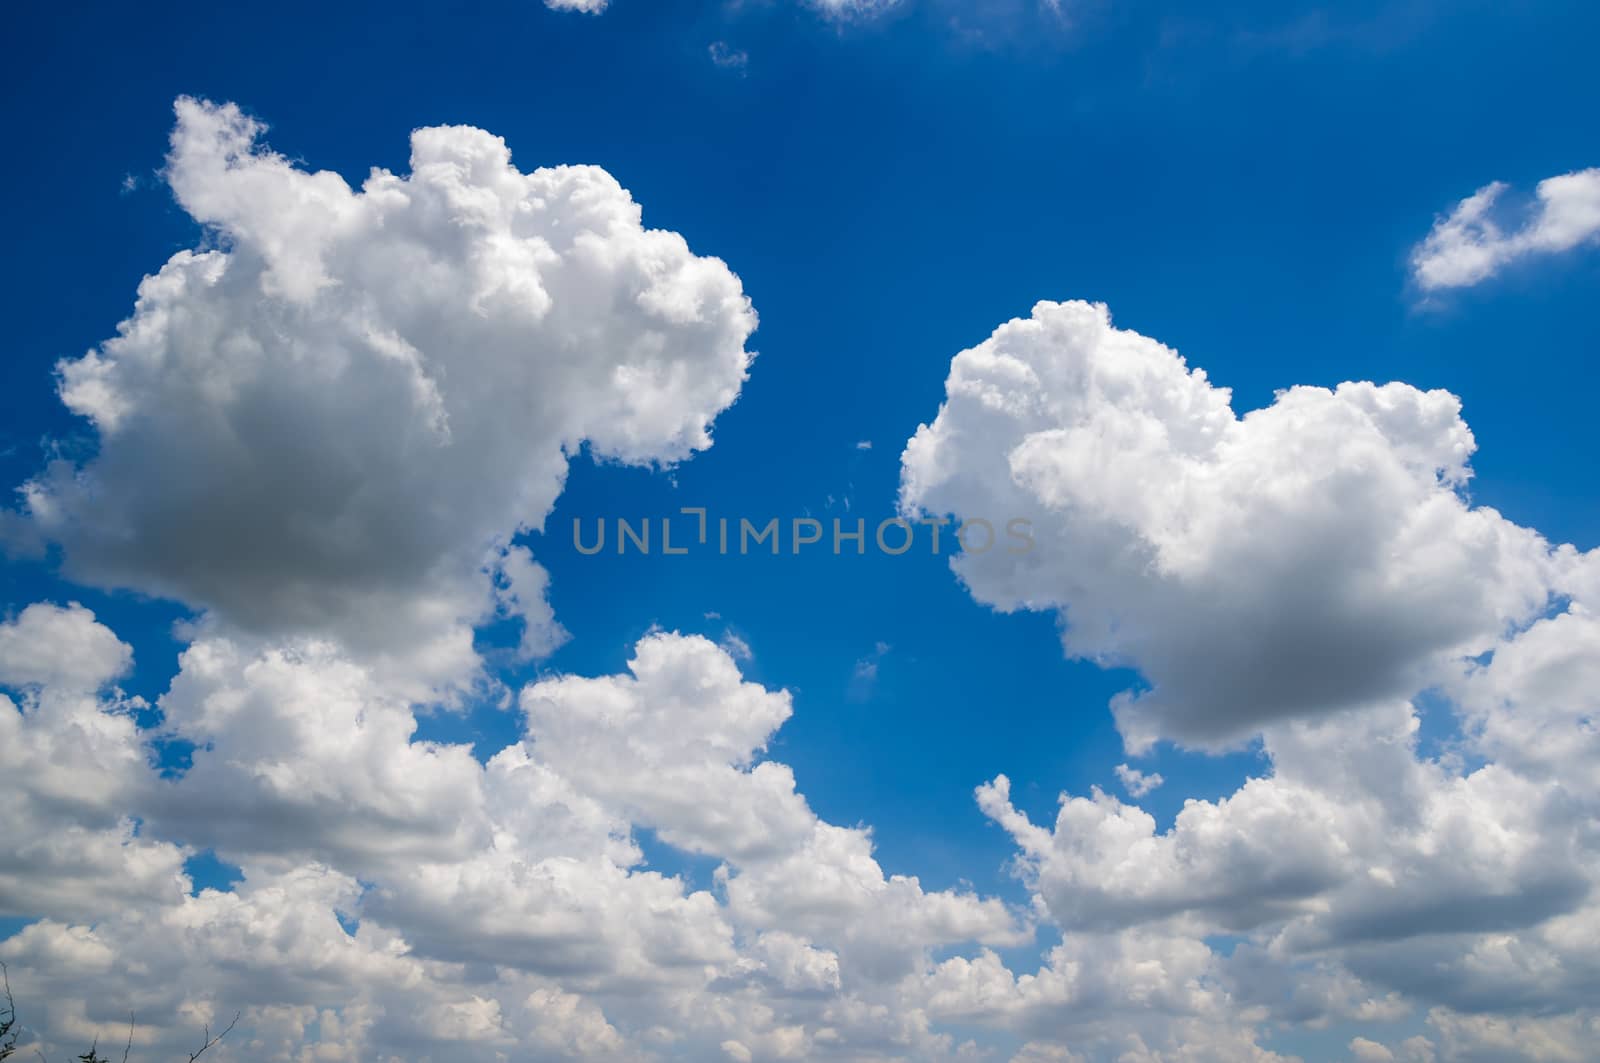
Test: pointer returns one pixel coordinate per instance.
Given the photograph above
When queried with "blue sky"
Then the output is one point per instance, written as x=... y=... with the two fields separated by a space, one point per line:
x=1244 y=182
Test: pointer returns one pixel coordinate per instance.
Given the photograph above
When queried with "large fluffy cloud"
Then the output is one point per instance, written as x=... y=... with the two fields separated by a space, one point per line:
x=1467 y=246
x=1315 y=555
x=332 y=421
x=1312 y=575
x=1359 y=880
x=1351 y=838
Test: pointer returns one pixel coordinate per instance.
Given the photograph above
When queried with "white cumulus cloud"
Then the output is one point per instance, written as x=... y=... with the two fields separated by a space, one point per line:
x=333 y=422
x=1136 y=782
x=1302 y=575
x=1468 y=245
x=1312 y=556
x=402 y=899
x=72 y=766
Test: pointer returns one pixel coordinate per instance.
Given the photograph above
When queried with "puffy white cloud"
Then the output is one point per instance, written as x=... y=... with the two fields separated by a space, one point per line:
x=1534 y=706
x=266 y=949
x=303 y=754
x=588 y=7
x=832 y=890
x=1463 y=894
x=1138 y=995
x=522 y=594
x=595 y=925
x=1368 y=881
x=1297 y=575
x=1311 y=556
x=308 y=987
x=1366 y=1051
x=331 y=423
x=1136 y=782
x=1467 y=246
x=1352 y=842
x=71 y=769
x=48 y=646
x=486 y=898
x=1515 y=1039
x=673 y=746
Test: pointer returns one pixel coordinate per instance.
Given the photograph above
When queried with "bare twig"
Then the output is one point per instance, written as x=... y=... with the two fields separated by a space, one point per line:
x=11 y=1004
x=129 y=1047
x=8 y=1019
x=213 y=1040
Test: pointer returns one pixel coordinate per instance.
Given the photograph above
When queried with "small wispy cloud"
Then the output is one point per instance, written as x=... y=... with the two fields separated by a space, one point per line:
x=1136 y=782
x=728 y=57
x=853 y=9
x=1467 y=246
x=736 y=647
x=864 y=676
x=865 y=444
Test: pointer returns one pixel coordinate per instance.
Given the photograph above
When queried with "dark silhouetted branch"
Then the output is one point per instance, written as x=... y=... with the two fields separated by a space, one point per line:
x=8 y=1017
x=209 y=1040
